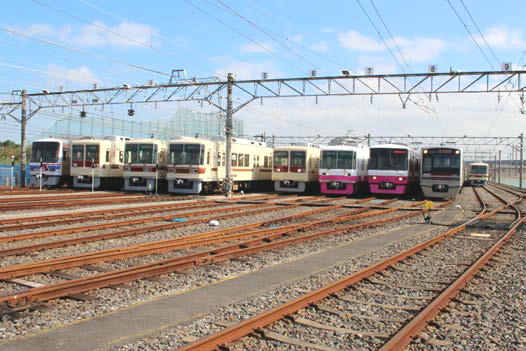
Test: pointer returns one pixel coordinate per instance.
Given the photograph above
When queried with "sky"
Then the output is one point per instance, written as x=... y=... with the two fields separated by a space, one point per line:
x=47 y=44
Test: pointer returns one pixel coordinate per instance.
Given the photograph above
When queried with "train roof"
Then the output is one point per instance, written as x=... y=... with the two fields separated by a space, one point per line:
x=238 y=141
x=391 y=146
x=296 y=147
x=343 y=147
x=145 y=141
x=442 y=147
x=52 y=139
x=478 y=164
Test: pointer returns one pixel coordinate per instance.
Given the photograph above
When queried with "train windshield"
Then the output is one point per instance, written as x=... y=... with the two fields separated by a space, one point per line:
x=281 y=158
x=45 y=150
x=441 y=161
x=78 y=153
x=479 y=169
x=140 y=153
x=388 y=159
x=297 y=158
x=338 y=159
x=186 y=154
x=92 y=153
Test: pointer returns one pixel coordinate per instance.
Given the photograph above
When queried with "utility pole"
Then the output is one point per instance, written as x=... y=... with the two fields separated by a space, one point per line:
x=368 y=139
x=23 y=123
x=500 y=158
x=521 y=155
x=495 y=169
x=229 y=130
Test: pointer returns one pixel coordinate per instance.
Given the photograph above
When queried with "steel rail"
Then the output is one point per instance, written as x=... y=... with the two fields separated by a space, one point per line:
x=136 y=231
x=67 y=197
x=176 y=264
x=20 y=237
x=405 y=335
x=192 y=204
x=78 y=203
x=244 y=328
x=195 y=240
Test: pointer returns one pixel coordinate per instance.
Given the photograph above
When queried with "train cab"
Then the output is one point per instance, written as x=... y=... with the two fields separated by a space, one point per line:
x=296 y=168
x=98 y=162
x=441 y=173
x=145 y=165
x=49 y=163
x=478 y=174
x=343 y=169
x=392 y=169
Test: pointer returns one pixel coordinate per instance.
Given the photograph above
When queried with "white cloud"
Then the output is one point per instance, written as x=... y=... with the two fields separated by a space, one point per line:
x=81 y=74
x=296 y=38
x=320 y=46
x=418 y=49
x=264 y=47
x=379 y=64
x=94 y=35
x=503 y=37
x=354 y=40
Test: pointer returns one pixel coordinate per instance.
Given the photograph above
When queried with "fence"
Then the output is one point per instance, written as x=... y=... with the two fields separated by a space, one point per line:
x=5 y=175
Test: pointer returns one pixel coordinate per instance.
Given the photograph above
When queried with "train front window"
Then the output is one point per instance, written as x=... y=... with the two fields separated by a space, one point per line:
x=92 y=153
x=441 y=162
x=186 y=154
x=78 y=153
x=297 y=158
x=281 y=158
x=45 y=150
x=130 y=153
x=346 y=160
x=388 y=159
x=328 y=159
x=479 y=169
x=147 y=153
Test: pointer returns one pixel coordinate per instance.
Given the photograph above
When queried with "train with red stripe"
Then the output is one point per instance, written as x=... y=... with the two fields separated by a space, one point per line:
x=197 y=166
x=441 y=172
x=49 y=164
x=98 y=163
x=296 y=168
x=145 y=165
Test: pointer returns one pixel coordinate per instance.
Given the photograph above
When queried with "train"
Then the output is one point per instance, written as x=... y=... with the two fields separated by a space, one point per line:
x=393 y=169
x=198 y=165
x=49 y=165
x=188 y=165
x=98 y=162
x=296 y=168
x=478 y=174
x=343 y=169
x=441 y=172
x=145 y=165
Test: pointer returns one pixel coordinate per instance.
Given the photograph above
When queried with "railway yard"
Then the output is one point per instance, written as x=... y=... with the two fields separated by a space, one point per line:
x=261 y=271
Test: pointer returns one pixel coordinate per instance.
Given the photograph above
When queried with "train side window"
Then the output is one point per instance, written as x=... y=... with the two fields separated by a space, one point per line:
x=265 y=161
x=218 y=159
x=107 y=155
x=234 y=160
x=208 y=157
x=247 y=160
x=121 y=156
x=223 y=160
x=240 y=161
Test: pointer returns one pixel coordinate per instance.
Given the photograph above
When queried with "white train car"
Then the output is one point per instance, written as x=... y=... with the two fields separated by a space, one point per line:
x=144 y=165
x=296 y=168
x=198 y=165
x=49 y=160
x=441 y=172
x=98 y=160
x=478 y=174
x=343 y=169
x=393 y=169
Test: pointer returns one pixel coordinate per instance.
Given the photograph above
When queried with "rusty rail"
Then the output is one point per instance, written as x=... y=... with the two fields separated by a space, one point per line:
x=244 y=328
x=176 y=264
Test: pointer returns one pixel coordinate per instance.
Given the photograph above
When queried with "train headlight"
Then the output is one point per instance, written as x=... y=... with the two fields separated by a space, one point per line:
x=425 y=151
x=374 y=177
x=457 y=152
x=400 y=178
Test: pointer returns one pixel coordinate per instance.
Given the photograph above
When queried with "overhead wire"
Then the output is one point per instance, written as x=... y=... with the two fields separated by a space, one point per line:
x=92 y=24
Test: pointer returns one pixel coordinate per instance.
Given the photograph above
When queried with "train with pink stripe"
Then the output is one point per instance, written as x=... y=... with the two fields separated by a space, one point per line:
x=393 y=169
x=343 y=169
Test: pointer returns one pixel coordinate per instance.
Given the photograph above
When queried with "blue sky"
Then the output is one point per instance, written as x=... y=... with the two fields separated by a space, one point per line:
x=165 y=35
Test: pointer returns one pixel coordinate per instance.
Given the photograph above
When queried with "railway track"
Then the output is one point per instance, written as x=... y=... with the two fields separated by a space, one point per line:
x=258 y=241
x=67 y=197
x=381 y=307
